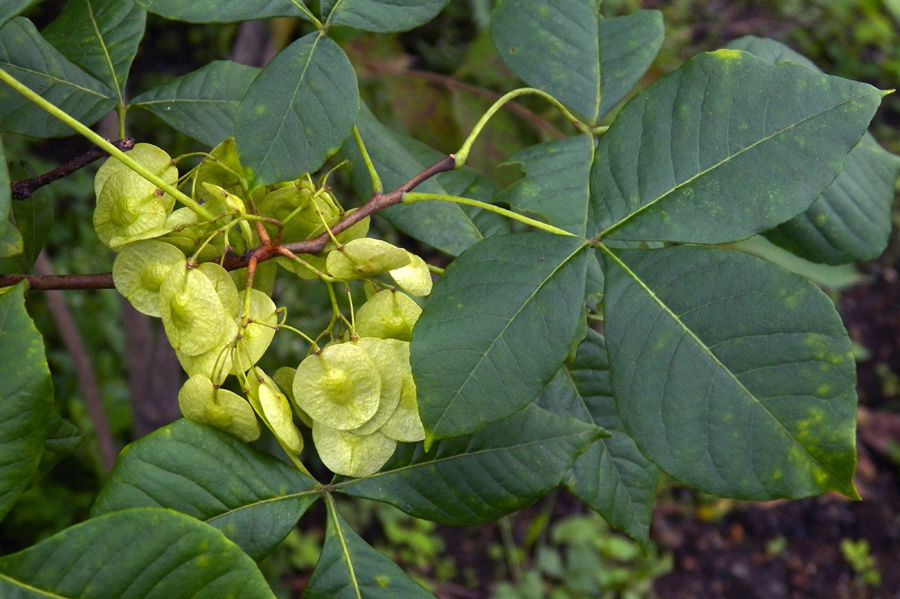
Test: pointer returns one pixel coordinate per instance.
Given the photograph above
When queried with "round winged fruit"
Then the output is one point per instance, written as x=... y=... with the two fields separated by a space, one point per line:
x=351 y=454
x=284 y=378
x=390 y=369
x=201 y=401
x=255 y=335
x=414 y=278
x=338 y=387
x=192 y=313
x=404 y=424
x=154 y=159
x=140 y=269
x=355 y=231
x=362 y=258
x=274 y=409
x=388 y=315
x=223 y=168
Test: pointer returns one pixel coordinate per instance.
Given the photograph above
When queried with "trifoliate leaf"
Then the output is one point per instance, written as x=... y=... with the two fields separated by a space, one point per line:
x=284 y=378
x=350 y=454
x=128 y=206
x=339 y=386
x=388 y=315
x=364 y=258
x=257 y=335
x=275 y=410
x=414 y=278
x=390 y=369
x=139 y=270
x=404 y=424
x=202 y=402
x=191 y=311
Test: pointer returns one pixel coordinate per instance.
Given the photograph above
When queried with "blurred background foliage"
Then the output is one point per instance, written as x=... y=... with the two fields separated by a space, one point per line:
x=433 y=84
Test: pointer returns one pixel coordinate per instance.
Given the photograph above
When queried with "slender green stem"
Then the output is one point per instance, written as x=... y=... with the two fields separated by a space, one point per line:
x=412 y=198
x=308 y=339
x=377 y=187
x=509 y=547
x=463 y=152
x=103 y=144
x=435 y=269
x=302 y=8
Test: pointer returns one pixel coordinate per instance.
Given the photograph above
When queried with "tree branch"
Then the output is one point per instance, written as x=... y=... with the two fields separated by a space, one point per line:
x=23 y=189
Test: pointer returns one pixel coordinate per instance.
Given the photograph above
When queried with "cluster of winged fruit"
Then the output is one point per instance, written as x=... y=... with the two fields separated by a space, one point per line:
x=356 y=394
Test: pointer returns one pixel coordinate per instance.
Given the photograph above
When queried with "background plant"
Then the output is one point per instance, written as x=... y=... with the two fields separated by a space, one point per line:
x=603 y=215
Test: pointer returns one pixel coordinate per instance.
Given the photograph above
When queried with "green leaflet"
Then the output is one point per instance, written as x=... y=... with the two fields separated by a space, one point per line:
x=612 y=476
x=556 y=185
x=26 y=396
x=479 y=478
x=11 y=242
x=298 y=111
x=397 y=158
x=851 y=219
x=148 y=553
x=700 y=157
x=100 y=36
x=569 y=51
x=223 y=11
x=204 y=103
x=63 y=438
x=28 y=57
x=381 y=16
x=11 y=8
x=350 y=567
x=254 y=498
x=34 y=219
x=496 y=328
x=732 y=375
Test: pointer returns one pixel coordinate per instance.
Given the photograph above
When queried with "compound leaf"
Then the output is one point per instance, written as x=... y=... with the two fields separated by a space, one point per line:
x=149 y=553
x=701 y=157
x=223 y=11
x=298 y=111
x=731 y=374
x=252 y=497
x=479 y=478
x=26 y=396
x=851 y=220
x=28 y=57
x=612 y=476
x=496 y=328
x=381 y=16
x=100 y=36
x=556 y=183
x=204 y=103
x=350 y=567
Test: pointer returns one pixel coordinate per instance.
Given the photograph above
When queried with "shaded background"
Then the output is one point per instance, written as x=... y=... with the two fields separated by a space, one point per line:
x=434 y=83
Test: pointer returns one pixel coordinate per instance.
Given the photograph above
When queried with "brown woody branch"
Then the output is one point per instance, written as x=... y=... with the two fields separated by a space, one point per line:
x=266 y=251
x=23 y=189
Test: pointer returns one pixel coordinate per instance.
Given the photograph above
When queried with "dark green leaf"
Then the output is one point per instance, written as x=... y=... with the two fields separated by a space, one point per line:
x=252 y=497
x=26 y=396
x=700 y=156
x=397 y=159
x=25 y=55
x=63 y=438
x=298 y=111
x=11 y=242
x=202 y=104
x=381 y=16
x=479 y=478
x=11 y=8
x=34 y=219
x=556 y=184
x=146 y=553
x=628 y=46
x=100 y=36
x=851 y=221
x=612 y=476
x=350 y=567
x=496 y=328
x=731 y=374
x=587 y=62
x=222 y=11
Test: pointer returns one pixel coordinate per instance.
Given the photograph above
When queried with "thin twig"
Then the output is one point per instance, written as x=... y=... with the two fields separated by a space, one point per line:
x=23 y=189
x=84 y=371
x=62 y=282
